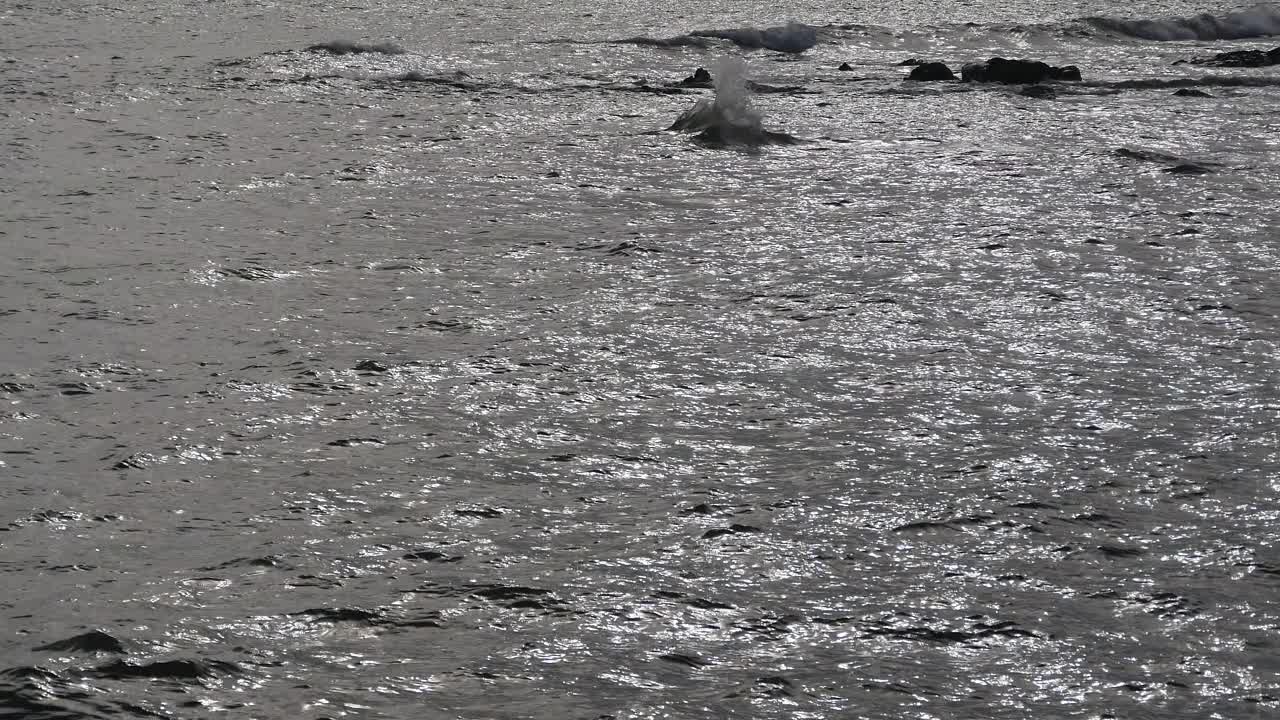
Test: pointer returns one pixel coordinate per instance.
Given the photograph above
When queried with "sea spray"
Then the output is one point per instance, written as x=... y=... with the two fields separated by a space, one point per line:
x=729 y=118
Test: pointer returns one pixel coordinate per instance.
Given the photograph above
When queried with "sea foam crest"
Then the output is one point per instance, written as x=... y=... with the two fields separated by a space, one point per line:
x=1257 y=21
x=793 y=37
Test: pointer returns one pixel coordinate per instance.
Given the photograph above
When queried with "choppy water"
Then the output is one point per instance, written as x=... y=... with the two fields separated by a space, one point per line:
x=445 y=384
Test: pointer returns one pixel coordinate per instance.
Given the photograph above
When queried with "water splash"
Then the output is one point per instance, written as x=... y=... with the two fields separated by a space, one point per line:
x=729 y=119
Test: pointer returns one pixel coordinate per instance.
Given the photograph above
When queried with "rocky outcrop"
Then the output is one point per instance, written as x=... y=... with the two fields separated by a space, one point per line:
x=931 y=72
x=1016 y=72
x=1243 y=58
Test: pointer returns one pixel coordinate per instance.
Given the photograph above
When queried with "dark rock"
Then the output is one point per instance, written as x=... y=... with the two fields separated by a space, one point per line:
x=1243 y=58
x=1191 y=92
x=931 y=72
x=371 y=366
x=90 y=642
x=911 y=61
x=845 y=67
x=699 y=79
x=1016 y=72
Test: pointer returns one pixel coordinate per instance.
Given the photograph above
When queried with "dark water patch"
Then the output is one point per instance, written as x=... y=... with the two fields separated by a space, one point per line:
x=178 y=670
x=266 y=561
x=694 y=602
x=347 y=47
x=905 y=626
x=1161 y=604
x=733 y=529
x=669 y=42
x=340 y=615
x=1177 y=165
x=770 y=687
x=94 y=641
x=320 y=388
x=72 y=389
x=252 y=273
x=35 y=693
x=354 y=442
x=689 y=661
x=431 y=556
x=1244 y=81
x=457 y=80
x=955 y=523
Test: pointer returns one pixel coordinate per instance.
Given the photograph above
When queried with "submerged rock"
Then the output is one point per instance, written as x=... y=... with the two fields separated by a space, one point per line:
x=1016 y=72
x=931 y=72
x=1243 y=58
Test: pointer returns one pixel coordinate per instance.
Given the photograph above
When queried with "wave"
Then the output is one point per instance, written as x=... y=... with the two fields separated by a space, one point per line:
x=729 y=120
x=346 y=47
x=793 y=38
x=1257 y=21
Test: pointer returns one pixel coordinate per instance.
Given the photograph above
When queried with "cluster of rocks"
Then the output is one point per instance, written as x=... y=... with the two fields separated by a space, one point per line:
x=995 y=70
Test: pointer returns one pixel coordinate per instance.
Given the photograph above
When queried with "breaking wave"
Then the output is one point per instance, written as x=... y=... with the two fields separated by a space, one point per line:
x=1257 y=21
x=793 y=37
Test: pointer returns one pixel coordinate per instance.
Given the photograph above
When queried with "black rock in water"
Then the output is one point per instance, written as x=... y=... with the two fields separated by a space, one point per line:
x=845 y=67
x=931 y=72
x=699 y=79
x=1016 y=72
x=91 y=642
x=1191 y=92
x=1243 y=58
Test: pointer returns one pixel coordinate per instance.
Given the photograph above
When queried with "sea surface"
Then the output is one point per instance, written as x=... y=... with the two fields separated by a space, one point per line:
x=393 y=360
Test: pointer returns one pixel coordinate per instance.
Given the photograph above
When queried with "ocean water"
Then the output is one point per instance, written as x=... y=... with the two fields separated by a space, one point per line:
x=442 y=380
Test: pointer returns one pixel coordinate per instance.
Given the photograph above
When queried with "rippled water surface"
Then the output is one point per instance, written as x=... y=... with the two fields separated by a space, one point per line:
x=446 y=383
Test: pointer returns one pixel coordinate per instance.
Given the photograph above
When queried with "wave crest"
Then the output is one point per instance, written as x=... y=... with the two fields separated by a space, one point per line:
x=793 y=37
x=1257 y=21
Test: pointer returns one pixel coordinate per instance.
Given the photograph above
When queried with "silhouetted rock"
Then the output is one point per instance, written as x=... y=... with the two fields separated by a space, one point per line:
x=1243 y=58
x=91 y=642
x=1016 y=72
x=699 y=79
x=845 y=67
x=931 y=72
x=1191 y=92
x=911 y=61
